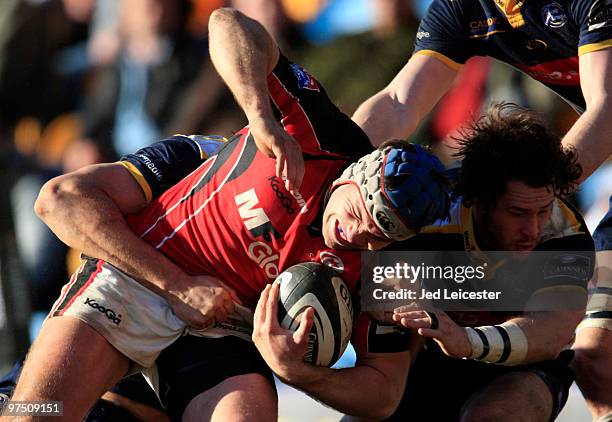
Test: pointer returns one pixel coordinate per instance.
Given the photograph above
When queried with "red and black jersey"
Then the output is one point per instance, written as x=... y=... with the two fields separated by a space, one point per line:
x=232 y=218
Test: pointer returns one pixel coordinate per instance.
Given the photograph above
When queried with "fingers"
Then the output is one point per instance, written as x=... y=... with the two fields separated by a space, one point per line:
x=201 y=323
x=406 y=308
x=290 y=174
x=259 y=316
x=412 y=317
x=297 y=166
x=272 y=306
x=289 y=164
x=307 y=319
x=281 y=163
x=415 y=323
x=428 y=332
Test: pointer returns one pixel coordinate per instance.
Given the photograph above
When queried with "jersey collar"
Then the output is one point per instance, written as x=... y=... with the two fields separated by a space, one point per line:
x=512 y=10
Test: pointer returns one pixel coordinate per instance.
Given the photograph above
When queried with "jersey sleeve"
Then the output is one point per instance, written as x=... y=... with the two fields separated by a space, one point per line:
x=441 y=35
x=570 y=257
x=571 y=264
x=594 y=20
x=309 y=115
x=159 y=166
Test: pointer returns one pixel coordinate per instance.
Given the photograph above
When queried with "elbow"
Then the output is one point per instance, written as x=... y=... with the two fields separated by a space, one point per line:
x=392 y=403
x=384 y=413
x=552 y=350
x=52 y=195
x=386 y=407
x=222 y=19
x=47 y=198
x=385 y=410
x=550 y=354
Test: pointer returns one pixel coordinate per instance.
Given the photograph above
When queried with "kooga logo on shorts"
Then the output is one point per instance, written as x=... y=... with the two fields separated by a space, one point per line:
x=110 y=314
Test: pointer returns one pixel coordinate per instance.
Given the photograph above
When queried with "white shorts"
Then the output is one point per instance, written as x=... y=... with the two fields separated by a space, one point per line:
x=135 y=320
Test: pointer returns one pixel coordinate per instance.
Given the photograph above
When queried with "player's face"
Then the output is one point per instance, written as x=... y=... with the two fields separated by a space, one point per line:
x=347 y=224
x=516 y=222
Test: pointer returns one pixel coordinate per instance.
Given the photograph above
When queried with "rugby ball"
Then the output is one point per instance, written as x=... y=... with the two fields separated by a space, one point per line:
x=320 y=287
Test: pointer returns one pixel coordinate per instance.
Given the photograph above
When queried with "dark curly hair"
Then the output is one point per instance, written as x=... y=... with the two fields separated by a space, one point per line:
x=512 y=143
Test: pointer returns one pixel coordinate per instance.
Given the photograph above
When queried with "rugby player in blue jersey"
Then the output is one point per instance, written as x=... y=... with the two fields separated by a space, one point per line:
x=564 y=44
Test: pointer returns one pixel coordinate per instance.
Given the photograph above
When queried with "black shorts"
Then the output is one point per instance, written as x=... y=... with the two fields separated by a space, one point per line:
x=603 y=233
x=438 y=386
x=193 y=365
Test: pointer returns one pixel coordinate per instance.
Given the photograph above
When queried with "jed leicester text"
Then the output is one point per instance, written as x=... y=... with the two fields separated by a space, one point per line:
x=403 y=294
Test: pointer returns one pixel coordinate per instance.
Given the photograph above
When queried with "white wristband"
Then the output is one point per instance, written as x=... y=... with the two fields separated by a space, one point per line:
x=504 y=344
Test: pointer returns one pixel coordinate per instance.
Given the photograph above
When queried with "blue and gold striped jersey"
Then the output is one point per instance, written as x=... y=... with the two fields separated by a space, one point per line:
x=162 y=164
x=541 y=38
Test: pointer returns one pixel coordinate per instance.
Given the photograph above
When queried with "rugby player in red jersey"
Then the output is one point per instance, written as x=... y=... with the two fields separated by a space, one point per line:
x=225 y=231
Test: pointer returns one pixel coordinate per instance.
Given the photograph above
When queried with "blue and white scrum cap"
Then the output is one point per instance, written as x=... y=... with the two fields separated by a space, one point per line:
x=402 y=186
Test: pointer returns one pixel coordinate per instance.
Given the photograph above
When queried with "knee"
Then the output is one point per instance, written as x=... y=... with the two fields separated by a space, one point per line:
x=250 y=397
x=255 y=398
x=516 y=397
x=261 y=389
x=492 y=414
x=481 y=413
x=592 y=365
x=585 y=360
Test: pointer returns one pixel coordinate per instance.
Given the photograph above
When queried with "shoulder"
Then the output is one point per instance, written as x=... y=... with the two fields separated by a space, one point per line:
x=565 y=225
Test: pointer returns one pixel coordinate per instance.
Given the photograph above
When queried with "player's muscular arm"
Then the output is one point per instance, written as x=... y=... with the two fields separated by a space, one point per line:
x=244 y=54
x=86 y=209
x=397 y=110
x=372 y=389
x=547 y=332
x=591 y=135
x=542 y=335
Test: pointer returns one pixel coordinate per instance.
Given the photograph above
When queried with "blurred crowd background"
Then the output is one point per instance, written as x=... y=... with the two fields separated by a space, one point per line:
x=85 y=81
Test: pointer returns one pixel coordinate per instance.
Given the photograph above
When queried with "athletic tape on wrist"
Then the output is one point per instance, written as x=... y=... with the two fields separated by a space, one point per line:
x=601 y=300
x=599 y=308
x=504 y=344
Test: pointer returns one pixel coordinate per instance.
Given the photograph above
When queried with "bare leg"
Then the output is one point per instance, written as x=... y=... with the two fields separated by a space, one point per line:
x=593 y=345
x=72 y=363
x=519 y=396
x=593 y=366
x=248 y=397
